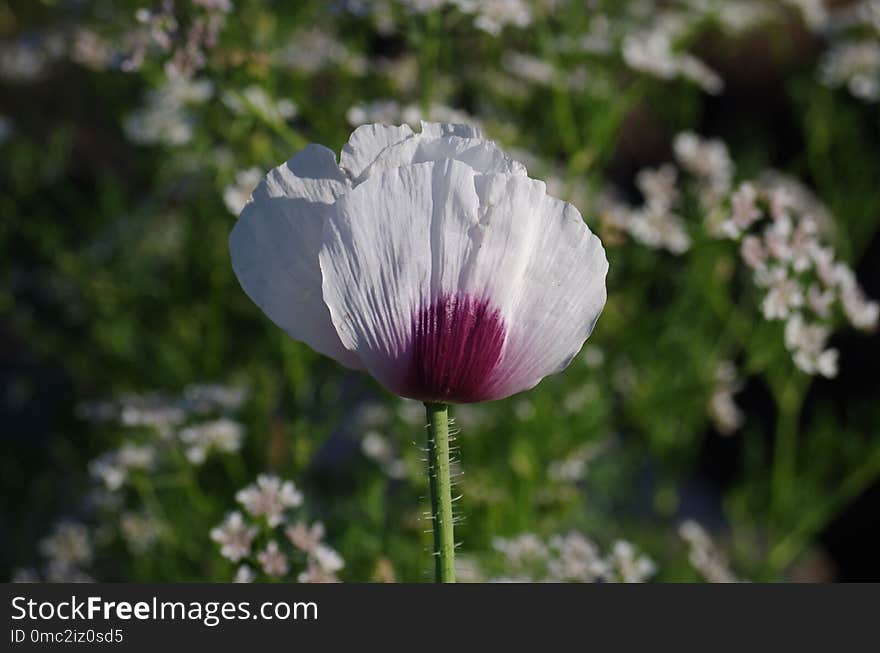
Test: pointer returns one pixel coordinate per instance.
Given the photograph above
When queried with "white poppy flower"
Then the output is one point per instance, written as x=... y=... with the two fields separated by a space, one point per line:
x=430 y=259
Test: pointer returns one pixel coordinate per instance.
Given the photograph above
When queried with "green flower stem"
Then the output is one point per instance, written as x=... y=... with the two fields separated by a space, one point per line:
x=441 y=492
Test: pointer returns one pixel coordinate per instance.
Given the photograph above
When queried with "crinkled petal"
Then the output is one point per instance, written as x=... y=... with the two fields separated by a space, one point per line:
x=274 y=248
x=482 y=156
x=365 y=144
x=454 y=286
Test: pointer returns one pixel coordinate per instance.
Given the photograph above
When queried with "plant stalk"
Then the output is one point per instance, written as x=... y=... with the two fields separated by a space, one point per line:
x=441 y=492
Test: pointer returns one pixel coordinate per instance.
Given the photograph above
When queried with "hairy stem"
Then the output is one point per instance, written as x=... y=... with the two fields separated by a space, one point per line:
x=441 y=492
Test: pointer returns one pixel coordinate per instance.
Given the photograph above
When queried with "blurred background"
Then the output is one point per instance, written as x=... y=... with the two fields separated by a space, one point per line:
x=721 y=424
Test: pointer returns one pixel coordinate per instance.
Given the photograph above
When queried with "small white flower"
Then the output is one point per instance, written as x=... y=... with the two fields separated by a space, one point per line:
x=803 y=242
x=862 y=313
x=777 y=239
x=706 y=159
x=629 y=567
x=726 y=415
x=69 y=546
x=807 y=344
x=659 y=229
x=132 y=456
x=244 y=574
x=234 y=537
x=658 y=186
x=704 y=555
x=273 y=561
x=745 y=210
x=753 y=253
x=270 y=497
x=856 y=65
x=784 y=294
x=820 y=300
x=305 y=538
x=107 y=469
x=224 y=435
x=577 y=560
x=328 y=558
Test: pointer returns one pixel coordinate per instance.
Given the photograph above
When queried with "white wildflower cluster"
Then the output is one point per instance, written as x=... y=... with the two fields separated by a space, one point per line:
x=165 y=119
x=854 y=64
x=568 y=558
x=654 y=224
x=161 y=432
x=709 y=162
x=780 y=227
x=113 y=467
x=268 y=538
x=704 y=555
x=652 y=38
x=184 y=47
x=223 y=435
x=492 y=16
x=725 y=414
x=270 y=497
x=67 y=553
x=653 y=52
x=175 y=423
x=852 y=30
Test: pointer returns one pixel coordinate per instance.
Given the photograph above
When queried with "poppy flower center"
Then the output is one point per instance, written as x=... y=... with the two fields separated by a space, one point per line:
x=457 y=343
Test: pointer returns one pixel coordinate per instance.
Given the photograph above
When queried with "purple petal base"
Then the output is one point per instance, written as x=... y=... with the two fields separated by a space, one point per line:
x=457 y=343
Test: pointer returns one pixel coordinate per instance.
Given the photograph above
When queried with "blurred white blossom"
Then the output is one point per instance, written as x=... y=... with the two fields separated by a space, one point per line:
x=704 y=556
x=273 y=561
x=234 y=537
x=270 y=497
x=165 y=119
x=224 y=435
x=723 y=410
